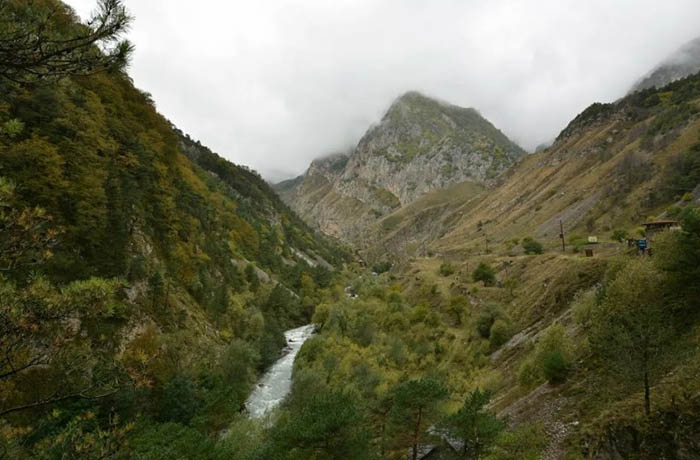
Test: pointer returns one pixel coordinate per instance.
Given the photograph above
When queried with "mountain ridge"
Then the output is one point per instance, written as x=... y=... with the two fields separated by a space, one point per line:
x=682 y=63
x=419 y=145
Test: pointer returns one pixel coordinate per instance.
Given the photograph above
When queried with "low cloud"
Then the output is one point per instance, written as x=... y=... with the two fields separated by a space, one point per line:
x=276 y=83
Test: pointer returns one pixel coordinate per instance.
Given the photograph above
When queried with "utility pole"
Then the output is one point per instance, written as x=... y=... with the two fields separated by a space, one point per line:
x=561 y=235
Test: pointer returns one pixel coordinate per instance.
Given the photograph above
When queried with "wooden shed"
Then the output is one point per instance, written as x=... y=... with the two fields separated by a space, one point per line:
x=657 y=226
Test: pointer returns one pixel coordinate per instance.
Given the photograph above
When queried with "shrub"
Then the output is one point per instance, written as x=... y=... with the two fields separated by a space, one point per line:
x=484 y=273
x=483 y=325
x=381 y=267
x=555 y=367
x=552 y=354
x=525 y=443
x=550 y=360
x=687 y=197
x=528 y=374
x=419 y=313
x=584 y=305
x=169 y=440
x=446 y=269
x=620 y=235
x=500 y=333
x=674 y=211
x=13 y=128
x=532 y=246
x=178 y=402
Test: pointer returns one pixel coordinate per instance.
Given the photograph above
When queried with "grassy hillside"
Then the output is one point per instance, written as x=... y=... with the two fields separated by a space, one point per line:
x=612 y=168
x=505 y=343
x=580 y=357
x=145 y=283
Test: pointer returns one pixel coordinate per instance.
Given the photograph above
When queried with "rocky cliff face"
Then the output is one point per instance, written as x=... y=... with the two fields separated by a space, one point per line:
x=419 y=146
x=684 y=62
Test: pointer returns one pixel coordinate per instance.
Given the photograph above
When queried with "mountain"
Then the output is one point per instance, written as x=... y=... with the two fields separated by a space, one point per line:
x=482 y=297
x=612 y=167
x=144 y=279
x=684 y=62
x=420 y=145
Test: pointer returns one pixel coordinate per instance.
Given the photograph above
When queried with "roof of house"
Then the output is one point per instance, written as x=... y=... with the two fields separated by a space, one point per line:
x=661 y=222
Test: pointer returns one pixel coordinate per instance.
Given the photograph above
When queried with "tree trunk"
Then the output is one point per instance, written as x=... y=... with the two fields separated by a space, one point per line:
x=647 y=395
x=416 y=433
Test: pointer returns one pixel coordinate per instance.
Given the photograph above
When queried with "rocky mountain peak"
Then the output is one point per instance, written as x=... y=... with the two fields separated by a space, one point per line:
x=421 y=144
x=684 y=62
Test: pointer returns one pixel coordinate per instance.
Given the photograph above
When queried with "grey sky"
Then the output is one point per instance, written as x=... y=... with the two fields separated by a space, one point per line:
x=275 y=83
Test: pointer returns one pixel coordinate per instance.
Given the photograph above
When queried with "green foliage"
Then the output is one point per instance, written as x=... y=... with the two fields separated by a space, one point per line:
x=178 y=402
x=446 y=269
x=484 y=323
x=318 y=422
x=458 y=307
x=550 y=360
x=252 y=278
x=120 y=246
x=499 y=334
x=58 y=343
x=619 y=235
x=678 y=256
x=168 y=441
x=485 y=273
x=13 y=128
x=417 y=404
x=472 y=424
x=381 y=267
x=532 y=246
x=632 y=325
x=84 y=436
x=553 y=354
x=41 y=41
x=524 y=443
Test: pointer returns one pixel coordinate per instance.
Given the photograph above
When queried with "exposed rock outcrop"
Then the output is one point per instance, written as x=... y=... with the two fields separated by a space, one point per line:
x=420 y=145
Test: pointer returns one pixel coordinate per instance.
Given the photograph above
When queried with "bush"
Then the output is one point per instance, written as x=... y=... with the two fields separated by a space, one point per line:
x=483 y=325
x=381 y=267
x=484 y=273
x=178 y=402
x=528 y=373
x=524 y=443
x=532 y=246
x=446 y=269
x=555 y=367
x=674 y=211
x=169 y=440
x=552 y=354
x=620 y=235
x=500 y=333
x=551 y=359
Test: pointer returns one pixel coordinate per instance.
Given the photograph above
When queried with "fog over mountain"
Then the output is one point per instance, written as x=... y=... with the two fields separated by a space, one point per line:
x=684 y=62
x=275 y=84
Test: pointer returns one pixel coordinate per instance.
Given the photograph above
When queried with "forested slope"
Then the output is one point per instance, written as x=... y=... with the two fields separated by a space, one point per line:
x=145 y=280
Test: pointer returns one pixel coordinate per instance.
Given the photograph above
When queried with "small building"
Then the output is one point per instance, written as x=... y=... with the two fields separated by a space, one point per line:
x=658 y=226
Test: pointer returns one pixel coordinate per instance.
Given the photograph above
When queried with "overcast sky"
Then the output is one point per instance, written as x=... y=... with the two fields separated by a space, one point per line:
x=273 y=84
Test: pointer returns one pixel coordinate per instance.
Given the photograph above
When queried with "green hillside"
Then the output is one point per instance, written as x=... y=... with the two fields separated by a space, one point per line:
x=145 y=280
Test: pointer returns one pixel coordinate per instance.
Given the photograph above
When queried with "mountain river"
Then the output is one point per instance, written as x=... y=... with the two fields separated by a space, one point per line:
x=275 y=385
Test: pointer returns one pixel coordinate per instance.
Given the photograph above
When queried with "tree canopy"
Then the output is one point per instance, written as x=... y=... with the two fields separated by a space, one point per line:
x=41 y=39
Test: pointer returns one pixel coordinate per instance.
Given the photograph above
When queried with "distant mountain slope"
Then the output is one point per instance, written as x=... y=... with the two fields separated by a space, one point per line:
x=613 y=167
x=682 y=63
x=419 y=146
